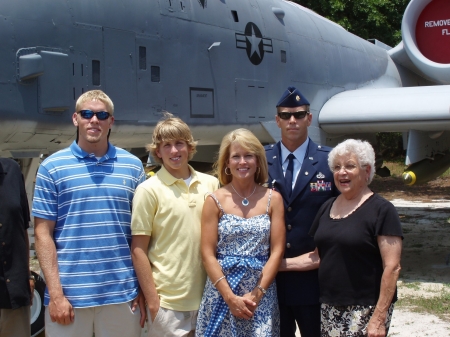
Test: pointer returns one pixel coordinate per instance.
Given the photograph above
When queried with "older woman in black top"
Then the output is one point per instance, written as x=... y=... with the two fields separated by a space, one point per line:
x=359 y=241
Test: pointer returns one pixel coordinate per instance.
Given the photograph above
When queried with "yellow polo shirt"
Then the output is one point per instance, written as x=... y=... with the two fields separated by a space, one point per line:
x=168 y=211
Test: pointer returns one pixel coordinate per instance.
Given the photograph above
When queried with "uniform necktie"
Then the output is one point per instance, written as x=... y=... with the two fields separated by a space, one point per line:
x=289 y=173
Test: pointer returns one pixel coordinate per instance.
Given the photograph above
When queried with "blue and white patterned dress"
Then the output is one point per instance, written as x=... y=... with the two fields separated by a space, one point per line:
x=242 y=251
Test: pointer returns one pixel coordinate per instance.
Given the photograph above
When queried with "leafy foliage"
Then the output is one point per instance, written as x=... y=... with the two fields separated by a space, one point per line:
x=369 y=19
x=390 y=145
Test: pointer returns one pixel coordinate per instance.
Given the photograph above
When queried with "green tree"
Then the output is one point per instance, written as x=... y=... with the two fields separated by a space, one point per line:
x=369 y=19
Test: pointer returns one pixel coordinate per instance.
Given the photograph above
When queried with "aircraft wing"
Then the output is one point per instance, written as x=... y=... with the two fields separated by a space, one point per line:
x=421 y=113
x=387 y=109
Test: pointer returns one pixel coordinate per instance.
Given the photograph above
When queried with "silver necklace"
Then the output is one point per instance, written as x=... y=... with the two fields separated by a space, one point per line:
x=245 y=201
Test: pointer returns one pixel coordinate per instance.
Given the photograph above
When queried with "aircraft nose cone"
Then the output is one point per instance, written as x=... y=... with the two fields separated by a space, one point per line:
x=409 y=178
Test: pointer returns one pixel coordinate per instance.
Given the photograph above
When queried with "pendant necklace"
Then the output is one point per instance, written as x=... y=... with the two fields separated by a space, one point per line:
x=245 y=201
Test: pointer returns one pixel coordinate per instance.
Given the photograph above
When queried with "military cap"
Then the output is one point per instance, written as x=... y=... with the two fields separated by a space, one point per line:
x=292 y=98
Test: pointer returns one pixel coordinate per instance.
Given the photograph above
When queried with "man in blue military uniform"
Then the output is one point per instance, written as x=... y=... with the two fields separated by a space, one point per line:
x=298 y=169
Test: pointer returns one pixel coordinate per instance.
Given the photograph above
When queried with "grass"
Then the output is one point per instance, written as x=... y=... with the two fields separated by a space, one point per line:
x=438 y=305
x=412 y=285
x=396 y=167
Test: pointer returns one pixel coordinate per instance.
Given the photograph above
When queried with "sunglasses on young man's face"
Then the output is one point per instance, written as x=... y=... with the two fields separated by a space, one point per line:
x=288 y=115
x=88 y=114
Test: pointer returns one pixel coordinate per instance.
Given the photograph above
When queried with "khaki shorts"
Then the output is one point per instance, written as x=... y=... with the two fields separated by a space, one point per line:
x=170 y=323
x=107 y=320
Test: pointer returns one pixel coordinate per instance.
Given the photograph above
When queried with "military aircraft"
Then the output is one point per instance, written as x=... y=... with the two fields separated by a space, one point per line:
x=220 y=65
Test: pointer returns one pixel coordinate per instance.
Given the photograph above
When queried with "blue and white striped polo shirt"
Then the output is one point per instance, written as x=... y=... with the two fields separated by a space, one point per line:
x=90 y=200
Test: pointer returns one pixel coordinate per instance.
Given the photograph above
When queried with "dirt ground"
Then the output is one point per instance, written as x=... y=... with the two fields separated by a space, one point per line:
x=426 y=227
x=394 y=188
x=425 y=214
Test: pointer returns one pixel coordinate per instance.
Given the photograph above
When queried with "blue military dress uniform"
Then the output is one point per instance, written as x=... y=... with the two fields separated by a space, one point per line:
x=314 y=185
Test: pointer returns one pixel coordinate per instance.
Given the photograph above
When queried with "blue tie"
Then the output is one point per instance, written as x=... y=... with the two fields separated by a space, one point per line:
x=289 y=173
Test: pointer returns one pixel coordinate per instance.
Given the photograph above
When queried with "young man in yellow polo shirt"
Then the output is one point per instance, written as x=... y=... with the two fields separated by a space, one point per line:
x=166 y=232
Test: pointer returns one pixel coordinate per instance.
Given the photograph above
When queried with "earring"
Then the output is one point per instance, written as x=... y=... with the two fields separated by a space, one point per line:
x=228 y=174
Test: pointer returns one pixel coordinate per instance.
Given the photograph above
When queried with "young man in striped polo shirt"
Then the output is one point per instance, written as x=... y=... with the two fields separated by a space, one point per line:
x=82 y=210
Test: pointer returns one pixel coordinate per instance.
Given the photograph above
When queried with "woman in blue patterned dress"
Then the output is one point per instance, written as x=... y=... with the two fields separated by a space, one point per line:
x=242 y=244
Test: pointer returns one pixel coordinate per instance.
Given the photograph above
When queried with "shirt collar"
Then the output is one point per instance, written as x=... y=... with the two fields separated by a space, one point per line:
x=299 y=152
x=80 y=153
x=169 y=179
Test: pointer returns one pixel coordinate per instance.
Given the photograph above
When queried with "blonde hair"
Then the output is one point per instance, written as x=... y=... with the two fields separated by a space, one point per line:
x=249 y=142
x=95 y=95
x=171 y=128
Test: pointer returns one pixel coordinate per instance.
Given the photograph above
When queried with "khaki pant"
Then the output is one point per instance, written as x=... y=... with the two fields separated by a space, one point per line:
x=114 y=320
x=15 y=322
x=170 y=323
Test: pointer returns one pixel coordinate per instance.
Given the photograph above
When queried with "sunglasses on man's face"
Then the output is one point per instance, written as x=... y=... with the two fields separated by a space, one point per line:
x=88 y=114
x=297 y=114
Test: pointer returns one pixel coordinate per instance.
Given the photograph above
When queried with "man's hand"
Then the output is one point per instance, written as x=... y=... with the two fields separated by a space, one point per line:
x=140 y=301
x=61 y=310
x=32 y=291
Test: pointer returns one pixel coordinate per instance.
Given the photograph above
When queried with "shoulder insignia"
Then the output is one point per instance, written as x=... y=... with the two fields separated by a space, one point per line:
x=269 y=147
x=324 y=148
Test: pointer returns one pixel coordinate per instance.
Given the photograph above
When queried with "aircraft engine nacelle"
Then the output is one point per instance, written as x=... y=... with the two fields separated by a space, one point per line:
x=426 y=37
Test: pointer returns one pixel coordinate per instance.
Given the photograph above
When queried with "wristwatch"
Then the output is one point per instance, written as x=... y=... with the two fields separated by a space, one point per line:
x=262 y=289
x=31 y=277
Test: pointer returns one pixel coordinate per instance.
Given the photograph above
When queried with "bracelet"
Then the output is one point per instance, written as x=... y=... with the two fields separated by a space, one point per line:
x=31 y=277
x=218 y=280
x=262 y=289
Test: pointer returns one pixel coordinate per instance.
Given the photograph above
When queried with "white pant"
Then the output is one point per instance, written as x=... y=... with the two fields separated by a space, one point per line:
x=114 y=320
x=170 y=323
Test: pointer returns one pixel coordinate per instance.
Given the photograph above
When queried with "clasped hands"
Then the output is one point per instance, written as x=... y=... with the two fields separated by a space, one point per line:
x=244 y=306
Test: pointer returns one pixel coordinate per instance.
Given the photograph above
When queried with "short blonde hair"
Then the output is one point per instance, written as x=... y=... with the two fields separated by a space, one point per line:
x=361 y=149
x=95 y=95
x=249 y=142
x=171 y=128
